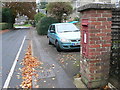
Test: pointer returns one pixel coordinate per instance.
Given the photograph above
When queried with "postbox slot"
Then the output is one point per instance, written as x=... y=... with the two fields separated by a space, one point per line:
x=85 y=22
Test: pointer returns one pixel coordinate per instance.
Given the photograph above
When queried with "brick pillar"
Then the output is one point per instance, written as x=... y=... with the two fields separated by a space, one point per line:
x=94 y=66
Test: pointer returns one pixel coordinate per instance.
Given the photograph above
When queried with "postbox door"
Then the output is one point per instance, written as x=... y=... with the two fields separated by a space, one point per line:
x=85 y=43
x=85 y=37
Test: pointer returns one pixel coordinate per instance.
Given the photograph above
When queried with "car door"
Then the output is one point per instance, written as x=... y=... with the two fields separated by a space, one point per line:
x=49 y=33
x=53 y=34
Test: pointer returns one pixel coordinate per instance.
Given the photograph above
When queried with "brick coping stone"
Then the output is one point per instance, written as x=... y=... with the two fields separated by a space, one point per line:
x=97 y=6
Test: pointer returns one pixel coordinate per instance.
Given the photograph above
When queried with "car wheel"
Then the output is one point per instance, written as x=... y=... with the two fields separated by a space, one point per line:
x=50 y=42
x=58 y=47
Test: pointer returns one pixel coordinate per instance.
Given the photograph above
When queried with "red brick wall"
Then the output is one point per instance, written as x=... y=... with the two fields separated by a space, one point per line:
x=95 y=67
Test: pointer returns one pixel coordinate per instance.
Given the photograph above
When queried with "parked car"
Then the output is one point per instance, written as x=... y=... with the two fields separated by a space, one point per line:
x=64 y=36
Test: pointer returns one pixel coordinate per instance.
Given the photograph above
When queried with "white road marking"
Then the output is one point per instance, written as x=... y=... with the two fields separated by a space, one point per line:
x=13 y=66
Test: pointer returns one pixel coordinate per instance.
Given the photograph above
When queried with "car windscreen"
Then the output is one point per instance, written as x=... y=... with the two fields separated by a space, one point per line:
x=61 y=28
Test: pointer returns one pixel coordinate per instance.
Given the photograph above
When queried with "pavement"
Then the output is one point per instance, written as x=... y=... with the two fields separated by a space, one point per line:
x=58 y=69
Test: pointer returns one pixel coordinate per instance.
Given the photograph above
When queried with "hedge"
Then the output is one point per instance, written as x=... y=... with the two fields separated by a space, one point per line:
x=7 y=15
x=44 y=23
x=4 y=26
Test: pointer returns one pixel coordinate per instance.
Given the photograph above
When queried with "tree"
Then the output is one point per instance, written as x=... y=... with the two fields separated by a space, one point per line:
x=38 y=17
x=58 y=9
x=42 y=5
x=22 y=8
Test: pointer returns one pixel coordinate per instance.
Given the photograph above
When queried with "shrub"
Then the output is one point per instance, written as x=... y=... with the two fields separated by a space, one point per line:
x=3 y=26
x=43 y=25
x=27 y=22
x=32 y=22
x=8 y=17
x=76 y=19
x=38 y=17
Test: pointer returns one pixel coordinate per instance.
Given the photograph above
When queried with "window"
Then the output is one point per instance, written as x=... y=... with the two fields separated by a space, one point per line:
x=50 y=27
x=66 y=28
x=53 y=27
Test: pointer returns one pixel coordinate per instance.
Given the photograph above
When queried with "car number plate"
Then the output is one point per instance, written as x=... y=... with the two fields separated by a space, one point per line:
x=75 y=44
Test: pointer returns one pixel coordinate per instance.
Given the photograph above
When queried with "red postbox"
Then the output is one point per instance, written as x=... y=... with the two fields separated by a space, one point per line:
x=85 y=37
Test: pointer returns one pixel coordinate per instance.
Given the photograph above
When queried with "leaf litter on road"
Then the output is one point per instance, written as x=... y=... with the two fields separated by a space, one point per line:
x=28 y=70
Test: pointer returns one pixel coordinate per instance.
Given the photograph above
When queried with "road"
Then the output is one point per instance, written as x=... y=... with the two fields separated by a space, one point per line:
x=11 y=42
x=63 y=65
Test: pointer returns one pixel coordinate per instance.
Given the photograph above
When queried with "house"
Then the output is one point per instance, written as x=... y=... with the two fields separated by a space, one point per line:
x=21 y=20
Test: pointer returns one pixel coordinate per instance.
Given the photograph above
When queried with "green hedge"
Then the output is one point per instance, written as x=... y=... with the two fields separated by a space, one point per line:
x=44 y=23
x=3 y=26
x=7 y=15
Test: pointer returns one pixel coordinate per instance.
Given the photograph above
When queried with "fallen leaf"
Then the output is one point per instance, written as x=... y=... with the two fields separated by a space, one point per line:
x=37 y=86
x=53 y=78
x=44 y=81
x=53 y=87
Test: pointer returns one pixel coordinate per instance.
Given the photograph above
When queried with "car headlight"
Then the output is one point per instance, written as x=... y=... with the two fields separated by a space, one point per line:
x=64 y=40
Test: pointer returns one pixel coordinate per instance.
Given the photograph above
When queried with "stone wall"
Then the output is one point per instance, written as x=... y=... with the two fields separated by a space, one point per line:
x=115 y=49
